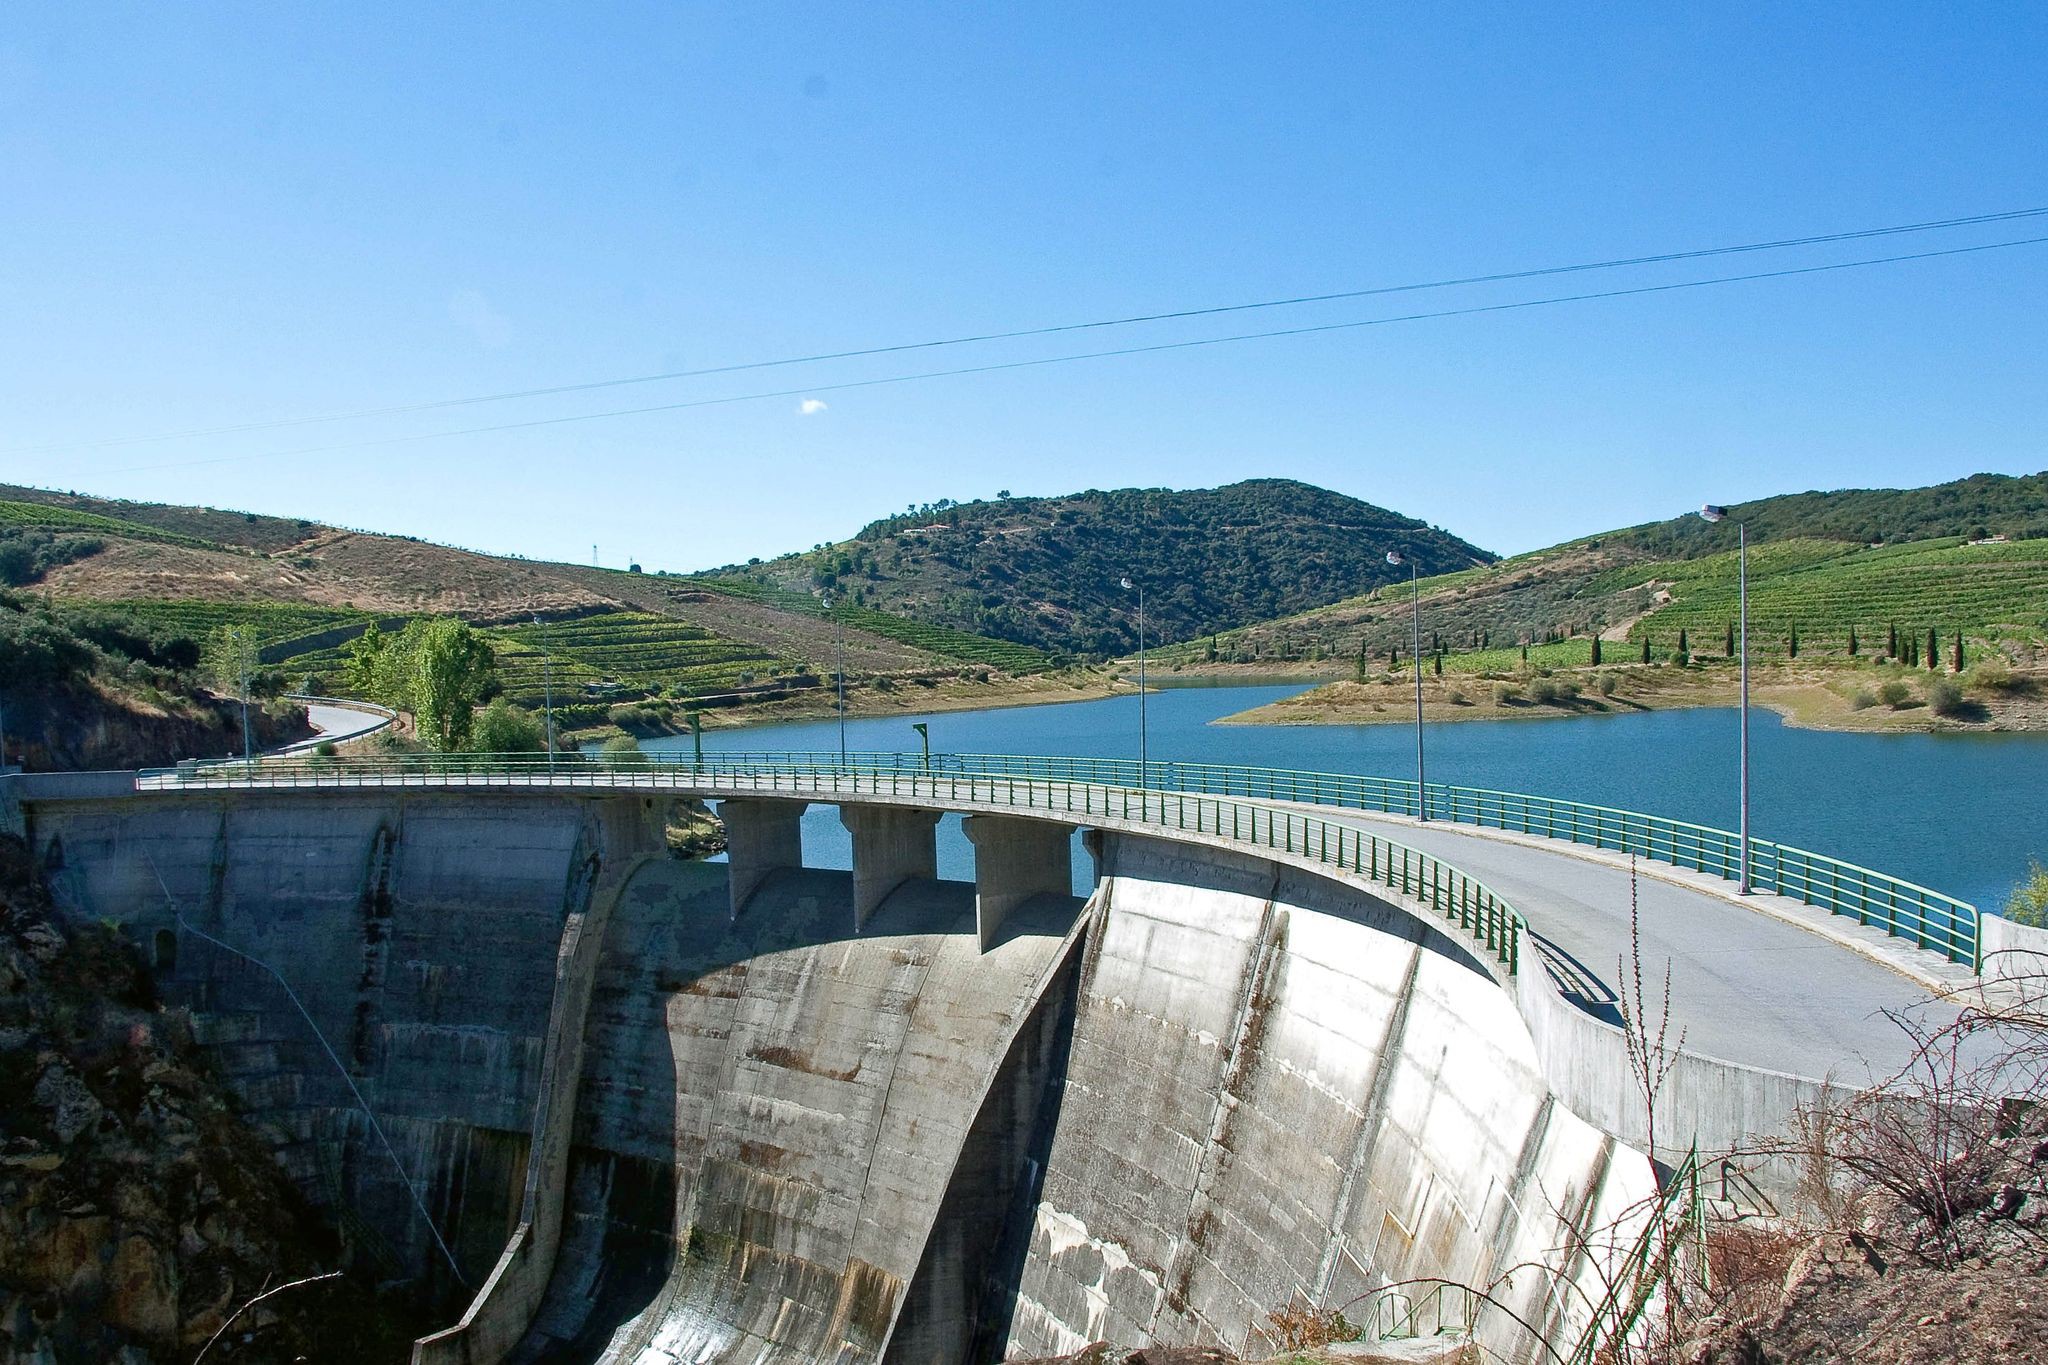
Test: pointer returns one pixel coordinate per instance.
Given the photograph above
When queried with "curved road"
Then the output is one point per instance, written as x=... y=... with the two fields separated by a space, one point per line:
x=1761 y=980
x=336 y=721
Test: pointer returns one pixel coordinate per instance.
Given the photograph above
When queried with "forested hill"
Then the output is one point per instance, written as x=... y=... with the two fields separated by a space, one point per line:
x=1977 y=507
x=1046 y=571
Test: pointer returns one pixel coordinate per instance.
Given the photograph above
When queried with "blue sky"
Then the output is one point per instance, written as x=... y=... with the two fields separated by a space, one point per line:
x=218 y=215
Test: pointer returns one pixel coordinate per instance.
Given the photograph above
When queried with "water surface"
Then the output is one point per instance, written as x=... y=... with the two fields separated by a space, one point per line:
x=1959 y=813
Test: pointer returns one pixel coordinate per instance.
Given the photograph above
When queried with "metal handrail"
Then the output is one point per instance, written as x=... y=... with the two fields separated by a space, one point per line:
x=1902 y=909
x=1486 y=918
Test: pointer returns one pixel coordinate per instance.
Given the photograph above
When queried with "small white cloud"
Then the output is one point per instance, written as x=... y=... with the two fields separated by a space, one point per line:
x=811 y=407
x=470 y=309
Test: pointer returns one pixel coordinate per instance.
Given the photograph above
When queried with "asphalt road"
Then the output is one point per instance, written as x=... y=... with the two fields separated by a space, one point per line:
x=1746 y=986
x=337 y=721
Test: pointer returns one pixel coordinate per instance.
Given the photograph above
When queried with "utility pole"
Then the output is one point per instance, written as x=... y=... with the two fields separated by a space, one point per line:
x=840 y=624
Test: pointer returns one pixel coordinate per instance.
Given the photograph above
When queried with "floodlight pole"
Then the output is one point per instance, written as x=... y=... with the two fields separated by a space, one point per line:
x=1396 y=558
x=548 y=688
x=1713 y=513
x=1144 y=756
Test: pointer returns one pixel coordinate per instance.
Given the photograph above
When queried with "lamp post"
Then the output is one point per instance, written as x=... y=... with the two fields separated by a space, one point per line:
x=840 y=623
x=1144 y=763
x=1397 y=559
x=548 y=689
x=924 y=734
x=1713 y=513
x=240 y=636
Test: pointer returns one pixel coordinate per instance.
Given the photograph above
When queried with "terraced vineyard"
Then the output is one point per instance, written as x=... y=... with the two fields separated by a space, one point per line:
x=951 y=644
x=636 y=648
x=47 y=518
x=1997 y=590
x=272 y=623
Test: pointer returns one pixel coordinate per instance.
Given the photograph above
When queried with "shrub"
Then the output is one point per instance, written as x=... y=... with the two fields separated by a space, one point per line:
x=1543 y=692
x=1894 y=693
x=1607 y=684
x=620 y=751
x=1989 y=674
x=2028 y=903
x=1863 y=700
x=1505 y=693
x=1458 y=698
x=1944 y=696
x=503 y=728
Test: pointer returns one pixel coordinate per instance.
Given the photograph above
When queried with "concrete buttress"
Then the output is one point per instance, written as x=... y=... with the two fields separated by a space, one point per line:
x=1015 y=860
x=761 y=837
x=891 y=845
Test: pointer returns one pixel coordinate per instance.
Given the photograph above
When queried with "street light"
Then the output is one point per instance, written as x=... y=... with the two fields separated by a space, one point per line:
x=924 y=733
x=548 y=686
x=840 y=623
x=1397 y=559
x=1144 y=766
x=1713 y=513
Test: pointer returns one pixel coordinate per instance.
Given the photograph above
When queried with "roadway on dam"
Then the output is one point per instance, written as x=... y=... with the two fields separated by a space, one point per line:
x=1762 y=980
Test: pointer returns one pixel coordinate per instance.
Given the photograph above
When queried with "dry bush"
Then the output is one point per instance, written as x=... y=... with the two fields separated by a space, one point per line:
x=1301 y=1327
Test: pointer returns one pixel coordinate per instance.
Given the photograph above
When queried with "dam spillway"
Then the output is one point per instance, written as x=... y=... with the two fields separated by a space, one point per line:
x=651 y=1129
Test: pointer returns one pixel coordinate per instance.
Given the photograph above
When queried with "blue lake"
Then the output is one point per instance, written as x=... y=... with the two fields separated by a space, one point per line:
x=1959 y=813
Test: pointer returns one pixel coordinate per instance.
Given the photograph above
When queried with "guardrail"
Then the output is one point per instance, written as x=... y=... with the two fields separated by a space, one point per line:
x=1902 y=909
x=1486 y=918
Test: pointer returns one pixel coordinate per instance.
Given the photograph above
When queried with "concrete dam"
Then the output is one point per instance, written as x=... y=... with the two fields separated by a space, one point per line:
x=615 y=1107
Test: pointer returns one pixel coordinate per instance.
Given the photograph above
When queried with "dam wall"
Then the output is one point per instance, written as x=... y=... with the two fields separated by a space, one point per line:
x=1281 y=1091
x=400 y=948
x=655 y=1120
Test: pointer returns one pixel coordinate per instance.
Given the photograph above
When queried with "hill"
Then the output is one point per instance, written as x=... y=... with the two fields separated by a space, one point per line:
x=1968 y=556
x=1045 y=572
x=607 y=639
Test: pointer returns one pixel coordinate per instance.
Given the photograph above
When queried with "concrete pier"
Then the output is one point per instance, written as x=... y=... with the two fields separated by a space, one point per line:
x=761 y=837
x=1015 y=860
x=891 y=845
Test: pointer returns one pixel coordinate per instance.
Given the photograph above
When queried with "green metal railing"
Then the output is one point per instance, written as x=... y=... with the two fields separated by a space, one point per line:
x=1902 y=909
x=1486 y=919
x=1677 y=1221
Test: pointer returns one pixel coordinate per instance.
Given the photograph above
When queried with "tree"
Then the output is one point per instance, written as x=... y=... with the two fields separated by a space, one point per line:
x=438 y=668
x=1684 y=648
x=1792 y=644
x=229 y=660
x=1891 y=648
x=1596 y=651
x=1852 y=642
x=1437 y=664
x=1933 y=650
x=1958 y=651
x=1646 y=648
x=1364 y=666
x=1729 y=648
x=502 y=728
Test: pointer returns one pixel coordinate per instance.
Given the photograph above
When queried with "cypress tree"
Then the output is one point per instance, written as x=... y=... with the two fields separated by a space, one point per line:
x=1729 y=648
x=1525 y=651
x=1596 y=651
x=1891 y=647
x=1683 y=647
x=1363 y=666
x=1933 y=651
x=1646 y=647
x=1852 y=642
x=1437 y=664
x=1959 y=651
x=1792 y=644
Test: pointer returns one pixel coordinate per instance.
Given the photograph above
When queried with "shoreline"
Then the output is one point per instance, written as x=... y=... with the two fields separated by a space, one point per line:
x=1809 y=699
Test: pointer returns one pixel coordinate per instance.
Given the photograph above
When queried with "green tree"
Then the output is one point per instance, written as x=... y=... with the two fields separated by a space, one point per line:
x=1933 y=650
x=1646 y=648
x=1729 y=649
x=1364 y=664
x=2028 y=903
x=438 y=668
x=1891 y=647
x=1684 y=648
x=502 y=728
x=1852 y=642
x=1792 y=644
x=229 y=660
x=1596 y=651
x=1958 y=651
x=620 y=751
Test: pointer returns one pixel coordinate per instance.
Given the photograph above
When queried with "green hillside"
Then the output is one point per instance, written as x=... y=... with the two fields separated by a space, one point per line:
x=1821 y=564
x=1045 y=572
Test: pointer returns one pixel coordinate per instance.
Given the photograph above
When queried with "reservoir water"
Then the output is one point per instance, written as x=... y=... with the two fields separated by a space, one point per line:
x=1959 y=813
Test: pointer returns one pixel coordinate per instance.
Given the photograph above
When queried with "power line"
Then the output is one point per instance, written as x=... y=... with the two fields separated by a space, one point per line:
x=1499 y=277
x=1000 y=366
